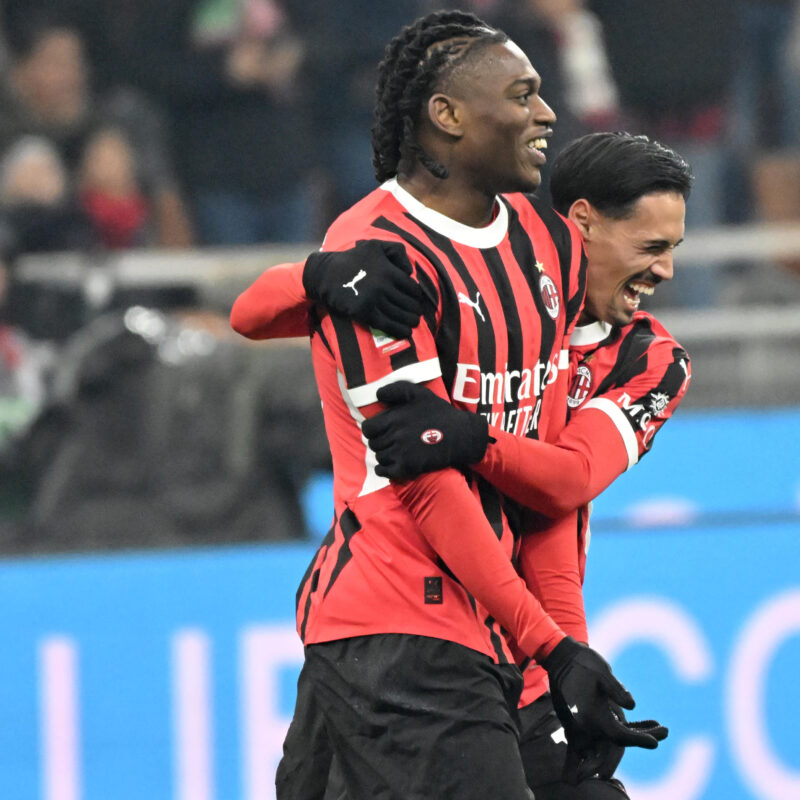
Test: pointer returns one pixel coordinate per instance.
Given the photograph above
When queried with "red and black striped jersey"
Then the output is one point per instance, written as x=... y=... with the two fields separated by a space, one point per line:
x=626 y=383
x=501 y=305
x=636 y=374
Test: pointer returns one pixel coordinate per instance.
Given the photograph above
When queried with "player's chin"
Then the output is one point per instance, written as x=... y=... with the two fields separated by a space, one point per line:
x=527 y=179
x=621 y=316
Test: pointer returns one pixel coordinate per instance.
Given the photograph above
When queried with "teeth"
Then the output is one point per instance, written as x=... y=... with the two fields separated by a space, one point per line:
x=642 y=288
x=538 y=144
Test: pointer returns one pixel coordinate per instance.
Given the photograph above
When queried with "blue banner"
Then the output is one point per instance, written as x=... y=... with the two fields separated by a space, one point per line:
x=172 y=675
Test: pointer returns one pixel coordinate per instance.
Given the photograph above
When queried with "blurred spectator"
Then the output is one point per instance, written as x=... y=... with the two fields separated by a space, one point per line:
x=37 y=212
x=764 y=113
x=763 y=137
x=109 y=192
x=344 y=43
x=672 y=62
x=48 y=93
x=228 y=72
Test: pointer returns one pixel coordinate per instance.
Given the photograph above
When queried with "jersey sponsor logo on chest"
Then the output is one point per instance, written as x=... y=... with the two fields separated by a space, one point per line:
x=474 y=387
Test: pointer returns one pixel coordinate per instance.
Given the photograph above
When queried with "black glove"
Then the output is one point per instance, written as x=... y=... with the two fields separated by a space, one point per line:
x=601 y=756
x=421 y=432
x=585 y=696
x=371 y=283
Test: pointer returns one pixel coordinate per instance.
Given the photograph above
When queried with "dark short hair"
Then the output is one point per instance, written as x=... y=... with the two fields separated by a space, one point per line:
x=613 y=170
x=413 y=68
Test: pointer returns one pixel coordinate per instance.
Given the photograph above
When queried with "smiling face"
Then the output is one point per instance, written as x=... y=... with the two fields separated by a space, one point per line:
x=628 y=257
x=502 y=120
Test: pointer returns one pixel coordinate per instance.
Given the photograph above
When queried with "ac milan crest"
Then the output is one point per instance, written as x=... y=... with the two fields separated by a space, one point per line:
x=431 y=436
x=549 y=295
x=581 y=384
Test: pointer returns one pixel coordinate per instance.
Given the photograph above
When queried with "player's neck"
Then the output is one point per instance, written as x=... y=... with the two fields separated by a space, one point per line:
x=450 y=197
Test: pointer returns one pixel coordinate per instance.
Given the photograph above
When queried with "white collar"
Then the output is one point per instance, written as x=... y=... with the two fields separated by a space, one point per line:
x=482 y=238
x=593 y=333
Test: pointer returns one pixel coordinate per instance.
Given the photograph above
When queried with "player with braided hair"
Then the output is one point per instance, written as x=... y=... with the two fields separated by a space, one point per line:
x=405 y=608
x=409 y=69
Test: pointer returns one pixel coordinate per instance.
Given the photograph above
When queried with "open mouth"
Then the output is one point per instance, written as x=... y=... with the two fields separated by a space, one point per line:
x=537 y=147
x=633 y=292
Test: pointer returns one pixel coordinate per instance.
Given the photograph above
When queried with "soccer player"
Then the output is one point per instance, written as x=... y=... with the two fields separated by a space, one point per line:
x=405 y=608
x=627 y=195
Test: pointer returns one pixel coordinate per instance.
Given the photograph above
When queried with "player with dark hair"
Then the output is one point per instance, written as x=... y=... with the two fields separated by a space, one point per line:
x=626 y=367
x=404 y=610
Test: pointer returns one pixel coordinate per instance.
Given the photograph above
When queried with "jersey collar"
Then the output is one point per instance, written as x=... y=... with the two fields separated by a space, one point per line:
x=593 y=333
x=482 y=238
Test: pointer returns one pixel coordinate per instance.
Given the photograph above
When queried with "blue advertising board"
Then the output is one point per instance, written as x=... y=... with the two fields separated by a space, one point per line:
x=172 y=675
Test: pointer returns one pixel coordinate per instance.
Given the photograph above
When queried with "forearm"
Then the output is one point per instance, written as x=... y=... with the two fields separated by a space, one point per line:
x=275 y=306
x=560 y=477
x=549 y=562
x=451 y=520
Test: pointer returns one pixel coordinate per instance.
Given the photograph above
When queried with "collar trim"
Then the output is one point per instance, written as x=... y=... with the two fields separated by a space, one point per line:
x=593 y=333
x=482 y=238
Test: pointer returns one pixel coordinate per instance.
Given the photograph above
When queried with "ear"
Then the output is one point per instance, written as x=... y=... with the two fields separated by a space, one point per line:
x=582 y=213
x=445 y=114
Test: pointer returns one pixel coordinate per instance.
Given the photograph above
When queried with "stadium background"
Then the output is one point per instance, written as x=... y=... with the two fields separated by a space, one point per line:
x=162 y=484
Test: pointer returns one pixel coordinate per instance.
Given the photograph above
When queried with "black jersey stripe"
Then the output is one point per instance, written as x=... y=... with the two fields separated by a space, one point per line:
x=559 y=232
x=351 y=357
x=316 y=330
x=672 y=379
x=487 y=363
x=631 y=357
x=312 y=573
x=522 y=247
x=320 y=551
x=496 y=639
x=448 y=336
x=431 y=293
x=575 y=303
x=508 y=301
x=492 y=505
x=348 y=524
x=307 y=607
x=487 y=349
x=563 y=241
x=404 y=357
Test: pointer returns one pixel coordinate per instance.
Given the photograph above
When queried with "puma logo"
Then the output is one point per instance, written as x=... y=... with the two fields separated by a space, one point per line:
x=462 y=298
x=352 y=285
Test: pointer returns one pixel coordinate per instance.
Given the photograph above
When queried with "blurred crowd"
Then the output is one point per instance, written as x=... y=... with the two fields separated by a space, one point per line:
x=172 y=123
x=176 y=123
x=192 y=123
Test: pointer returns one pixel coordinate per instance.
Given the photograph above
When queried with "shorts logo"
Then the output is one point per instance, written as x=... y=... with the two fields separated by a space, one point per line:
x=581 y=384
x=433 y=591
x=549 y=295
x=432 y=436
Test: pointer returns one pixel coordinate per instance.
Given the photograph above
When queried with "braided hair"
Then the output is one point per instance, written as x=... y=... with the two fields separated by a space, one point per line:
x=412 y=67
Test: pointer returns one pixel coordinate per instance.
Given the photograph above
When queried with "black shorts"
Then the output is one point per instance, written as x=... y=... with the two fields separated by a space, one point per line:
x=543 y=748
x=409 y=718
x=303 y=772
